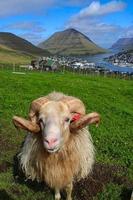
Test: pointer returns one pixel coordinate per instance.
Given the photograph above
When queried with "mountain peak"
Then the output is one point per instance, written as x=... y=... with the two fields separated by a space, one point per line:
x=71 y=30
x=123 y=44
x=70 y=42
x=17 y=43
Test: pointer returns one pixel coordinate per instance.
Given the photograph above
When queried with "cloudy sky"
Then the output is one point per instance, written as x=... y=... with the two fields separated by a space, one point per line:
x=103 y=21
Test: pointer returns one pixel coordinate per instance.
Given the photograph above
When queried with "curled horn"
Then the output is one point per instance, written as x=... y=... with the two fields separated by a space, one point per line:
x=79 y=118
x=91 y=118
x=35 y=108
x=75 y=105
x=22 y=123
x=31 y=124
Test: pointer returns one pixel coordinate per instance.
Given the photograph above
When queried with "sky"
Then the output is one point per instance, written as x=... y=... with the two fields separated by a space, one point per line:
x=103 y=21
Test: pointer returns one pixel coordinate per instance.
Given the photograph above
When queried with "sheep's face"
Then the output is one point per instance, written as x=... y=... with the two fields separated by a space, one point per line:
x=54 y=119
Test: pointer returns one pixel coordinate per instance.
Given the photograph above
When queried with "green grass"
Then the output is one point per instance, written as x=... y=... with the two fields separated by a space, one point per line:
x=111 y=192
x=113 y=139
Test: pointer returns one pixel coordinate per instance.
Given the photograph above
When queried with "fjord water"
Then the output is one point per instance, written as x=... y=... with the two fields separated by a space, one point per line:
x=98 y=59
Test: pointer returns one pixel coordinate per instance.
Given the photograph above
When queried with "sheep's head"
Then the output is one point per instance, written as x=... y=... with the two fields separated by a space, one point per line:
x=56 y=120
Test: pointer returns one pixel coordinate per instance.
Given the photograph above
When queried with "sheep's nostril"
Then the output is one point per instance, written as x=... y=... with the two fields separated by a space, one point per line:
x=51 y=142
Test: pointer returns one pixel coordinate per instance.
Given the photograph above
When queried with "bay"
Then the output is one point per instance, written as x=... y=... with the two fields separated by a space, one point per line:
x=98 y=59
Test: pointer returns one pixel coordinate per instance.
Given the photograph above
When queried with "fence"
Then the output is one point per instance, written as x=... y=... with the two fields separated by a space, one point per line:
x=16 y=68
x=99 y=72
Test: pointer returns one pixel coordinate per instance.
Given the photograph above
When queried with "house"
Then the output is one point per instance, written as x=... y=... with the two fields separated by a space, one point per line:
x=45 y=63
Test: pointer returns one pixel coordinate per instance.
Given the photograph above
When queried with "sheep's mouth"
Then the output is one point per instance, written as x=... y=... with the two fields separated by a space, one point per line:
x=53 y=150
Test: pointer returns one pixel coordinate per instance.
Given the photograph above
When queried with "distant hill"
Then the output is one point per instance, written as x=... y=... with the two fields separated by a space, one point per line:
x=14 y=42
x=123 y=44
x=70 y=42
x=10 y=56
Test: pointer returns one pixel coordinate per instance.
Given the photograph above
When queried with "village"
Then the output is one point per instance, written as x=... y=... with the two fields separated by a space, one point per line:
x=74 y=64
x=123 y=59
x=55 y=62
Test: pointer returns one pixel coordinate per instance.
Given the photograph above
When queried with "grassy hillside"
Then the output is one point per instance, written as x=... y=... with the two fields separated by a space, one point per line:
x=10 y=56
x=112 y=98
x=71 y=42
x=19 y=44
x=123 y=44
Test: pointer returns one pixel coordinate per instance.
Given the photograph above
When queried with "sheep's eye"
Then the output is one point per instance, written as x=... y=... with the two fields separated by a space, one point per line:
x=67 y=119
x=41 y=121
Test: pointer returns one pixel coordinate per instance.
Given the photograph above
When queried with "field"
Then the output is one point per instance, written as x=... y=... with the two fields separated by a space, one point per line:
x=112 y=177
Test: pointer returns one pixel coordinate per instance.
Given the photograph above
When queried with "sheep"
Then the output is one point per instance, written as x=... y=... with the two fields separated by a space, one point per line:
x=58 y=148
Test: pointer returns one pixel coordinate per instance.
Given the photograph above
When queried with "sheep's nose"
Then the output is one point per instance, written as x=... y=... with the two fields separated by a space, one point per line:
x=51 y=142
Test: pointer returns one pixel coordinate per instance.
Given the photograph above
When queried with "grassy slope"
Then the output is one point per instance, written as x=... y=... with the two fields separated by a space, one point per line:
x=71 y=42
x=112 y=98
x=10 y=56
x=19 y=44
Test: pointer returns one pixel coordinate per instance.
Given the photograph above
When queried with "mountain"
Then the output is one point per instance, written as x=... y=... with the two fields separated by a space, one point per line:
x=123 y=44
x=10 y=56
x=70 y=42
x=14 y=42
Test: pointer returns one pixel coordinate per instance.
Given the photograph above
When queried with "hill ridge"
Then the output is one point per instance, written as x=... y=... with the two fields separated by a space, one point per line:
x=17 y=43
x=70 y=42
x=123 y=44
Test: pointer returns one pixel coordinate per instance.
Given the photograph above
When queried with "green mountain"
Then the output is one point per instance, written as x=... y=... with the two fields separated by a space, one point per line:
x=10 y=56
x=123 y=44
x=14 y=42
x=70 y=42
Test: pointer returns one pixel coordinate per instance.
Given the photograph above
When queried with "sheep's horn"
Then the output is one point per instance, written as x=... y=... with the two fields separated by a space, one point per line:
x=85 y=120
x=22 y=123
x=35 y=108
x=75 y=105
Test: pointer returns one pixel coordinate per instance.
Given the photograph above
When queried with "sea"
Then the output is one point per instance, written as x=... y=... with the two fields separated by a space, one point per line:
x=98 y=59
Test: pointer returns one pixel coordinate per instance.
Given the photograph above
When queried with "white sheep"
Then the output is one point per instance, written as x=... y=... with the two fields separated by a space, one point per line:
x=58 y=148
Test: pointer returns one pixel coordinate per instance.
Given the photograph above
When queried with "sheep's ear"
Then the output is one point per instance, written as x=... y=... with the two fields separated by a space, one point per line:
x=22 y=123
x=92 y=118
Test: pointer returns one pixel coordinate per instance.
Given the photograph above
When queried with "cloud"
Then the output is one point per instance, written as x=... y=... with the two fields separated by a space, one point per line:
x=90 y=21
x=101 y=33
x=13 y=7
x=33 y=31
x=74 y=2
x=34 y=38
x=105 y=34
x=128 y=32
x=32 y=26
x=97 y=9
